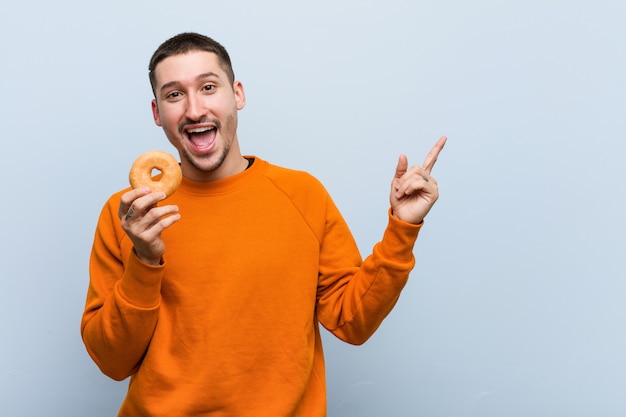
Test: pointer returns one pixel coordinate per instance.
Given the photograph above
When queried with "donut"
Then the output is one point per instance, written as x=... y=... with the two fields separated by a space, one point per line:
x=141 y=172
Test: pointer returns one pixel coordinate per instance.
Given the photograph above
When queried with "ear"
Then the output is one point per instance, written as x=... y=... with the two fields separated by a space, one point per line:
x=155 y=113
x=240 y=96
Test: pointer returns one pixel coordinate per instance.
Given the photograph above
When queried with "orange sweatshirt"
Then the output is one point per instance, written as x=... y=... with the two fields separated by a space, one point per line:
x=228 y=324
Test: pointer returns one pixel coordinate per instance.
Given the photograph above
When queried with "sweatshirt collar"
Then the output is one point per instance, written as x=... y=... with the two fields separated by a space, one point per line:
x=225 y=185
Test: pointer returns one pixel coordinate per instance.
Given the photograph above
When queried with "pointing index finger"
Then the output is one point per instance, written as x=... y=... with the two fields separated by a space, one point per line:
x=431 y=158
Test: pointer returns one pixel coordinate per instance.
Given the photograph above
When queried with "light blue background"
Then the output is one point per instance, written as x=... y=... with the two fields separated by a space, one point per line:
x=516 y=305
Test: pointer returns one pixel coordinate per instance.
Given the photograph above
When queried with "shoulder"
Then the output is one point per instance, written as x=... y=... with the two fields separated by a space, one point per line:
x=113 y=202
x=293 y=180
x=305 y=193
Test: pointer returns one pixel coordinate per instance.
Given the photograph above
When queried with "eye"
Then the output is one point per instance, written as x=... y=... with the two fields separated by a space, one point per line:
x=208 y=87
x=173 y=95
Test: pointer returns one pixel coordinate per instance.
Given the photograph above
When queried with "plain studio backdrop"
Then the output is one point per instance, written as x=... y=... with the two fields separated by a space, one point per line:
x=516 y=305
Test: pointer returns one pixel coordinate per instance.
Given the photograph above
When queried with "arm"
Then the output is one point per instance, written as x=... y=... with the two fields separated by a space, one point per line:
x=354 y=298
x=123 y=299
x=353 y=301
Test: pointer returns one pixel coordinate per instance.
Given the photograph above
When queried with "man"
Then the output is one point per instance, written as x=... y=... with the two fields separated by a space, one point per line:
x=211 y=301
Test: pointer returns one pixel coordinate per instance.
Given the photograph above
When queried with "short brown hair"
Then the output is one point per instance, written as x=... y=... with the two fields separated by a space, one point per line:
x=187 y=42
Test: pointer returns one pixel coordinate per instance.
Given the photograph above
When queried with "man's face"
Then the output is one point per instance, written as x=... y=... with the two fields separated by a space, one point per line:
x=197 y=106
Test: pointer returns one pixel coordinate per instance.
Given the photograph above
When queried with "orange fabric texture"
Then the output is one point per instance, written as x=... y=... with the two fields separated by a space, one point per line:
x=228 y=324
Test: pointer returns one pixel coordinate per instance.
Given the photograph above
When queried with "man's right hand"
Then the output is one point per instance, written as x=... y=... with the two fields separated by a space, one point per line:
x=144 y=221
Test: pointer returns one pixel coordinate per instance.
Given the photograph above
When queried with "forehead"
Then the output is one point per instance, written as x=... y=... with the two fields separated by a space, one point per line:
x=187 y=67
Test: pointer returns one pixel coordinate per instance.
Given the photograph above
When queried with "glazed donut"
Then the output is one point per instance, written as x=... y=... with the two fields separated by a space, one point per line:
x=141 y=172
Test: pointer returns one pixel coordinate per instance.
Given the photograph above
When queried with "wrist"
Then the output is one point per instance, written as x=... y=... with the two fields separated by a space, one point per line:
x=148 y=260
x=413 y=220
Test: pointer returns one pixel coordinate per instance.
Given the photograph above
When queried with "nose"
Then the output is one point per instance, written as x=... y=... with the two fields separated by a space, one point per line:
x=195 y=107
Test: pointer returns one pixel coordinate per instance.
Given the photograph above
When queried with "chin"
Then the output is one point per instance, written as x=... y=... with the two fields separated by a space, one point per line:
x=207 y=163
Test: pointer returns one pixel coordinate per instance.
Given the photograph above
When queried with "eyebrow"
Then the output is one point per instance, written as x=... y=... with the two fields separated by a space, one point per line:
x=199 y=77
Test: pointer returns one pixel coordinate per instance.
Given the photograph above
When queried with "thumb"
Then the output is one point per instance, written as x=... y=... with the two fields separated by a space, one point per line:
x=402 y=166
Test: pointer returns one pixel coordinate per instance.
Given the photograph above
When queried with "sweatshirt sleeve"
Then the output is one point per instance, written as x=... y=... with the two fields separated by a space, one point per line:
x=354 y=297
x=123 y=300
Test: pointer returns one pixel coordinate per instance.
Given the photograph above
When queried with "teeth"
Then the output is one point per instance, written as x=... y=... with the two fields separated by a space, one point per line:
x=200 y=130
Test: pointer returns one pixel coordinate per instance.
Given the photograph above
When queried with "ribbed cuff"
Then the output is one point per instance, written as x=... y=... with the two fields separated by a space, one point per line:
x=141 y=283
x=399 y=239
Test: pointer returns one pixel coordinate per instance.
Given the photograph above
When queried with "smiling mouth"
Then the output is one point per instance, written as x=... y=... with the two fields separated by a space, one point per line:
x=202 y=137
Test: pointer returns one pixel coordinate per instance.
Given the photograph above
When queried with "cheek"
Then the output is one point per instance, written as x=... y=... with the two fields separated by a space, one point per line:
x=230 y=124
x=169 y=120
x=170 y=128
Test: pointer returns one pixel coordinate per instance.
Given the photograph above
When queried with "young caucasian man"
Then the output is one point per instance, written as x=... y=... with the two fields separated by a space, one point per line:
x=211 y=300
